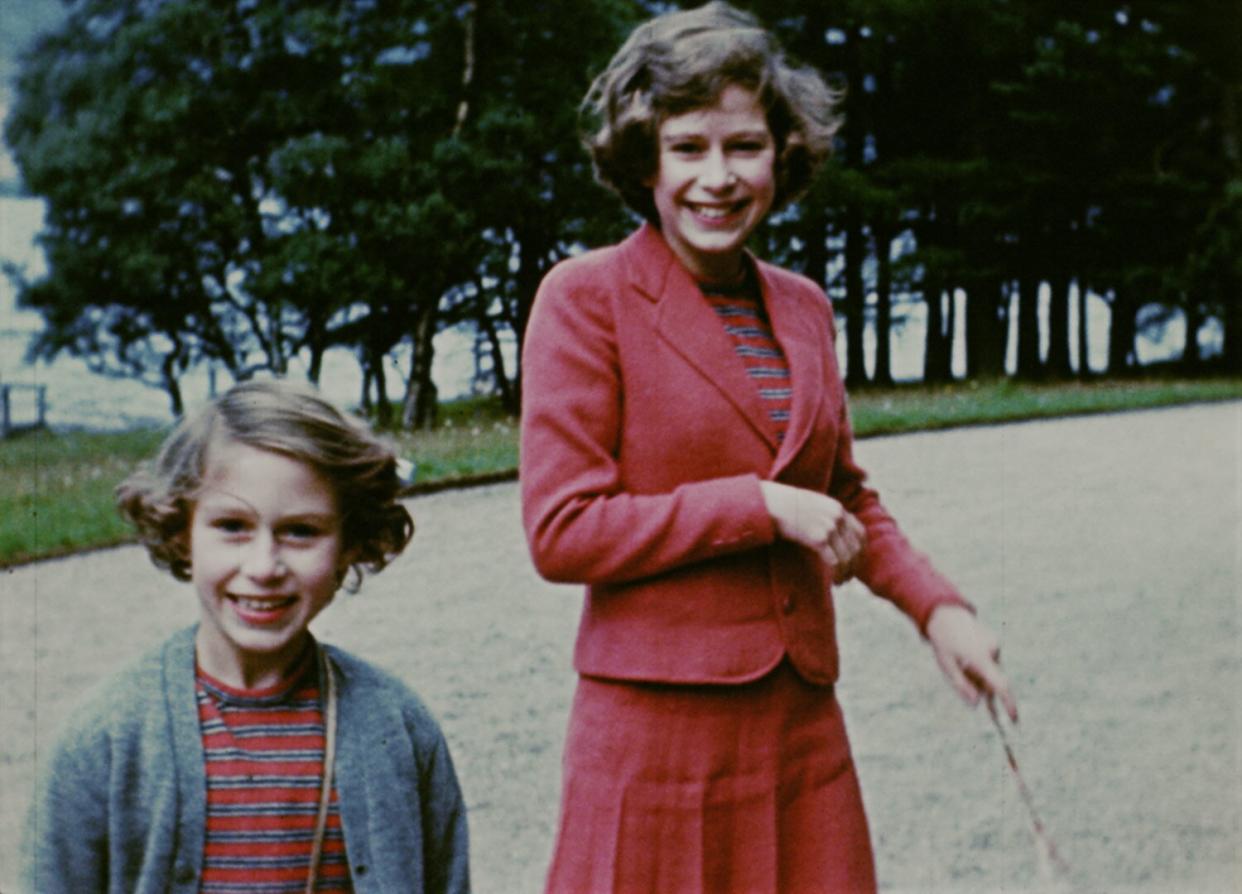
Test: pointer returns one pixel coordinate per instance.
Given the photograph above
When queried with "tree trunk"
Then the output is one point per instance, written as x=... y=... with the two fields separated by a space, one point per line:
x=855 y=297
x=507 y=398
x=364 y=396
x=1058 y=363
x=536 y=253
x=172 y=385
x=383 y=406
x=1028 y=365
x=469 y=12
x=1233 y=329
x=883 y=234
x=1191 y=361
x=419 y=408
x=813 y=233
x=950 y=331
x=936 y=357
x=1121 y=334
x=855 y=239
x=985 y=334
x=1084 y=342
x=371 y=358
x=315 y=368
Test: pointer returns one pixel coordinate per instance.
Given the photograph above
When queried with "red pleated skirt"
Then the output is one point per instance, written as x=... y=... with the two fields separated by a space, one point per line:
x=725 y=789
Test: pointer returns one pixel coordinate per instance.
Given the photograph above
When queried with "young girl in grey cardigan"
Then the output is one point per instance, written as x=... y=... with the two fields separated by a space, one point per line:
x=242 y=755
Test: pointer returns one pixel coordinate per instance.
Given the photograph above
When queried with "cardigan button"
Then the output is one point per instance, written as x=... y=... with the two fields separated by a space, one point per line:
x=788 y=605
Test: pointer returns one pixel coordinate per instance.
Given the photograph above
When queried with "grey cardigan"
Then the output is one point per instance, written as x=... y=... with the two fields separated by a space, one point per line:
x=120 y=802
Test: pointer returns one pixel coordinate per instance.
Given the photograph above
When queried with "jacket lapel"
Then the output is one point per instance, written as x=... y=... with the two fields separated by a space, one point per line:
x=691 y=328
x=805 y=351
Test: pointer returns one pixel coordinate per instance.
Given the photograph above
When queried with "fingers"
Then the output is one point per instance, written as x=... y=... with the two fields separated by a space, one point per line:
x=990 y=679
x=985 y=672
x=843 y=546
x=818 y=522
x=957 y=678
x=985 y=677
x=969 y=656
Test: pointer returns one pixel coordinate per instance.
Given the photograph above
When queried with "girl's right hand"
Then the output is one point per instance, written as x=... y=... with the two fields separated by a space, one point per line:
x=818 y=522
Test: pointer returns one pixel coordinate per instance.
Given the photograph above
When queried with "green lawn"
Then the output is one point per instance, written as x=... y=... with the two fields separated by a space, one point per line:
x=56 y=488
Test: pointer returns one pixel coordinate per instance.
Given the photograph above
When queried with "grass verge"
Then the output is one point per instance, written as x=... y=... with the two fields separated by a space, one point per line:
x=56 y=488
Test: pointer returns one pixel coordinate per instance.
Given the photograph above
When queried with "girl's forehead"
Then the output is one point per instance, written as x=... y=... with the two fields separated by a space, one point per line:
x=238 y=469
x=735 y=105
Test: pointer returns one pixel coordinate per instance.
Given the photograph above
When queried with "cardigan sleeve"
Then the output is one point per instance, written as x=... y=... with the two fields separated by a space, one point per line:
x=582 y=525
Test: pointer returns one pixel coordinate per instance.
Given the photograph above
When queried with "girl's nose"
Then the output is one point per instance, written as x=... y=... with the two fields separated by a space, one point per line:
x=716 y=173
x=261 y=558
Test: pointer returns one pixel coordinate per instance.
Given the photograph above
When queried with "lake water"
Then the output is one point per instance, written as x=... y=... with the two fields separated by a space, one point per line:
x=78 y=397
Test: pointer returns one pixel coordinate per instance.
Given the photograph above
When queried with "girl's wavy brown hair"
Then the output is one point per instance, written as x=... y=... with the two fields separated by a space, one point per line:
x=681 y=61
x=293 y=420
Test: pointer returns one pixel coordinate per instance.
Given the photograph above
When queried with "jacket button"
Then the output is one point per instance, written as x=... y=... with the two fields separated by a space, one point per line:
x=788 y=605
x=184 y=874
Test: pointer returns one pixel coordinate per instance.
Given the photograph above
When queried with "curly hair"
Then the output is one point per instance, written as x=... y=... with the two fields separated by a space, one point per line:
x=293 y=420
x=681 y=61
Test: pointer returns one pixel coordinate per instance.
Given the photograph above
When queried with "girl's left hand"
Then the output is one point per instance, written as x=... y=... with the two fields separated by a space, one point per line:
x=969 y=654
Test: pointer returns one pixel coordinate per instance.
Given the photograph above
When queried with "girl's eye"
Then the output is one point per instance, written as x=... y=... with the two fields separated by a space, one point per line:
x=684 y=148
x=229 y=525
x=750 y=146
x=301 y=532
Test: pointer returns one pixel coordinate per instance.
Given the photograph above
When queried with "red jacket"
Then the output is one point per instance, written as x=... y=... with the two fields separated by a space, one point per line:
x=643 y=444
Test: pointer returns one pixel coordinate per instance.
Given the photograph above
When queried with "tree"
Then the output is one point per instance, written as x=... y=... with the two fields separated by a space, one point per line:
x=259 y=181
x=539 y=202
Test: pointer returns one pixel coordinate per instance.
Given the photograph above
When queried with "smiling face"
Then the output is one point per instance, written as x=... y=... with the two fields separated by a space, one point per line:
x=715 y=182
x=266 y=556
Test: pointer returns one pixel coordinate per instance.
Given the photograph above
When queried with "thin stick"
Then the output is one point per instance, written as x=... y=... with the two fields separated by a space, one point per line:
x=1042 y=837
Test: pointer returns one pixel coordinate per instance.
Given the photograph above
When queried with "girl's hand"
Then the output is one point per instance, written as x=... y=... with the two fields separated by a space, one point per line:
x=818 y=522
x=969 y=654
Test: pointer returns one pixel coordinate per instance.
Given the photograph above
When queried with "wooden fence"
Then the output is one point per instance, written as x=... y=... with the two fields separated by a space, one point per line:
x=22 y=407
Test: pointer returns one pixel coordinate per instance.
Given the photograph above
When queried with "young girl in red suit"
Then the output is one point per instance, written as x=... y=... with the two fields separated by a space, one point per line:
x=687 y=454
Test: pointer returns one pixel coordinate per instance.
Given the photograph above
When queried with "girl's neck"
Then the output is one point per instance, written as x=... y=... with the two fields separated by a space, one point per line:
x=252 y=672
x=728 y=278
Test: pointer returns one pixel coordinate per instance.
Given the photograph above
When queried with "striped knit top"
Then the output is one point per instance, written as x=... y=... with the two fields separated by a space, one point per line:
x=264 y=753
x=740 y=309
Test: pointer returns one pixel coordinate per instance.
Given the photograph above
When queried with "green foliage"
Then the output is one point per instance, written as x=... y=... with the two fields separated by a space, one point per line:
x=1032 y=141
x=56 y=490
x=248 y=182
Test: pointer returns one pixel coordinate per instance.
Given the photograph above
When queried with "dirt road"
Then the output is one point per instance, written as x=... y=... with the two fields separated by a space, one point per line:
x=1104 y=549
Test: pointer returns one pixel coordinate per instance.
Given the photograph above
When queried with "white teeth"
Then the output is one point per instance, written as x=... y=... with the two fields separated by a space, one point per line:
x=260 y=604
x=713 y=212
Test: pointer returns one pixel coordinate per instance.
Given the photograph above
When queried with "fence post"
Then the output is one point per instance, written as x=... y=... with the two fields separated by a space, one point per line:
x=4 y=411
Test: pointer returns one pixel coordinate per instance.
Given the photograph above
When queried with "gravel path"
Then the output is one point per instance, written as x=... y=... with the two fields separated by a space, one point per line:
x=1105 y=549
